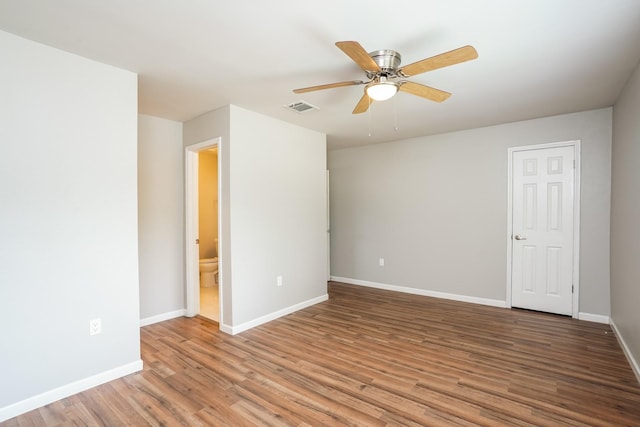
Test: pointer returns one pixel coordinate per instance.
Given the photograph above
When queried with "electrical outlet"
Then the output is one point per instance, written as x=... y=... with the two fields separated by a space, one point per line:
x=279 y=281
x=95 y=326
x=381 y=262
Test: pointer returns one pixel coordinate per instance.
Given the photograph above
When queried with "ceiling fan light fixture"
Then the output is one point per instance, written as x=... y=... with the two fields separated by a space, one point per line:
x=381 y=91
x=381 y=65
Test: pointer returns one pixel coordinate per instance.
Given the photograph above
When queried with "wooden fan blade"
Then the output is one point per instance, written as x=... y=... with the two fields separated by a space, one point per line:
x=453 y=57
x=360 y=56
x=427 y=92
x=328 y=86
x=363 y=104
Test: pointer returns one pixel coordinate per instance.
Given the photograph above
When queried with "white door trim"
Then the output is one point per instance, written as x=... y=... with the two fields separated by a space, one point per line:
x=576 y=218
x=192 y=257
x=328 y=231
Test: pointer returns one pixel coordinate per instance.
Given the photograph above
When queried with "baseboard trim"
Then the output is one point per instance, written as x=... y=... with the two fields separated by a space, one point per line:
x=635 y=367
x=227 y=329
x=162 y=317
x=67 y=390
x=233 y=330
x=423 y=292
x=597 y=318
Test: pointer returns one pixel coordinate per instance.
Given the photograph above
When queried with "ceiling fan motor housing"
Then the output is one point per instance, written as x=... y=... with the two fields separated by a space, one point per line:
x=387 y=60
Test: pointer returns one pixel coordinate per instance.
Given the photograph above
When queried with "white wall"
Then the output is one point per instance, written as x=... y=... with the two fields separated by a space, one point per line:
x=160 y=218
x=273 y=212
x=68 y=224
x=202 y=128
x=278 y=214
x=625 y=212
x=435 y=208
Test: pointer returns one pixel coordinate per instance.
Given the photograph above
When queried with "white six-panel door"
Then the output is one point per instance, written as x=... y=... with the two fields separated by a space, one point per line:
x=543 y=229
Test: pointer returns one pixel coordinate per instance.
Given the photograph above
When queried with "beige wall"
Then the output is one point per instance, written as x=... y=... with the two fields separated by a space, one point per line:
x=435 y=208
x=625 y=213
x=208 y=202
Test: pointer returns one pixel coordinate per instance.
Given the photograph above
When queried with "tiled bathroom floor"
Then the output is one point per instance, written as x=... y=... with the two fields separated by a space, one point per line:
x=209 y=303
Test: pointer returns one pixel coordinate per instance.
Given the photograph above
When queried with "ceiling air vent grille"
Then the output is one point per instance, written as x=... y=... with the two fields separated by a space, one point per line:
x=301 y=107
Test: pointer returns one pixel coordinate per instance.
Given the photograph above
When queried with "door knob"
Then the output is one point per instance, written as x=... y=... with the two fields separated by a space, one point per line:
x=519 y=237
x=197 y=241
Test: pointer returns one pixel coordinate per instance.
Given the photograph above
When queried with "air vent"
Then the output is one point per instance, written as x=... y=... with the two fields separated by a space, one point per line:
x=301 y=107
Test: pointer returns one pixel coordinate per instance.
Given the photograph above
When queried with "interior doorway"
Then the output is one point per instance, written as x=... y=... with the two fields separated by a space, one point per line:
x=202 y=220
x=208 y=232
x=543 y=230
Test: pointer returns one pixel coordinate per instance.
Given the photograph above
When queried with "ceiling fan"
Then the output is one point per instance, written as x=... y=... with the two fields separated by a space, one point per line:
x=386 y=79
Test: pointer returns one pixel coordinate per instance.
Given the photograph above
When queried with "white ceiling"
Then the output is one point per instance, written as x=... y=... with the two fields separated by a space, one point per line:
x=536 y=58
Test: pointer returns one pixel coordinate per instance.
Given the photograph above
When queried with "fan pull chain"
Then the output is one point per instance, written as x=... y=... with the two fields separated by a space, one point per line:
x=395 y=114
x=369 y=114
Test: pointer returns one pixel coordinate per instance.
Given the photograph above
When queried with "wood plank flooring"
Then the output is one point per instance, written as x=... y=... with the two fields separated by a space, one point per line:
x=369 y=357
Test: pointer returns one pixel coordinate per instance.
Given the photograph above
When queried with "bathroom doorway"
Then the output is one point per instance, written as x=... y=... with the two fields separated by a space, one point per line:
x=208 y=232
x=202 y=187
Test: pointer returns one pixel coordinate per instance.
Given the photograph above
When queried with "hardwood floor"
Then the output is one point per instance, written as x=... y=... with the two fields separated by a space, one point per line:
x=371 y=358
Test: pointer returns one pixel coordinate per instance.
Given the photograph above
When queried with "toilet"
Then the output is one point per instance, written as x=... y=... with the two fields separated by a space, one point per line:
x=209 y=270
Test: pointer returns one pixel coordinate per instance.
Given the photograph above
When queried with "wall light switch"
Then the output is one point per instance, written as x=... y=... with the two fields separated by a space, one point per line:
x=279 y=281
x=381 y=262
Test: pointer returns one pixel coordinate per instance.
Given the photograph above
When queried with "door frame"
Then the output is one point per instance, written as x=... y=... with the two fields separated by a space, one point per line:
x=576 y=218
x=328 y=231
x=192 y=256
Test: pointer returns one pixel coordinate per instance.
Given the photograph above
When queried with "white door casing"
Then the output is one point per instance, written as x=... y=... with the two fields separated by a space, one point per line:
x=192 y=256
x=328 y=232
x=543 y=231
